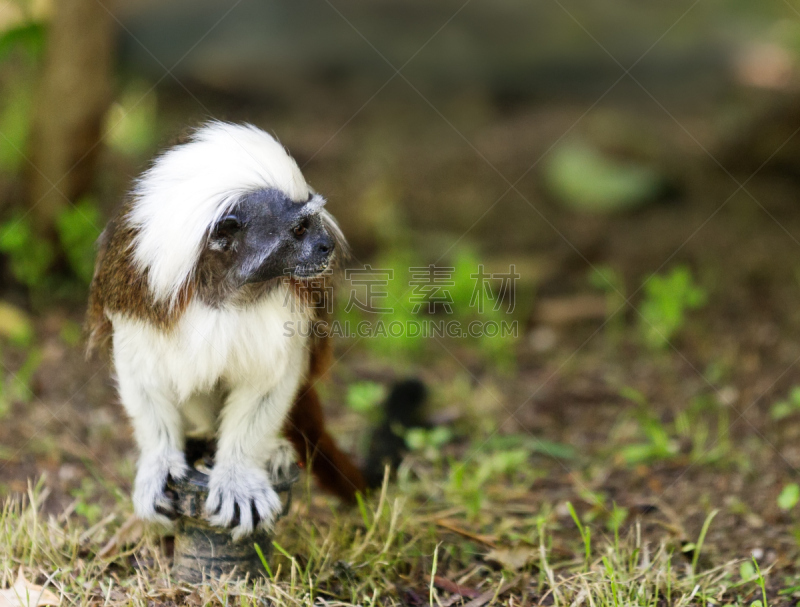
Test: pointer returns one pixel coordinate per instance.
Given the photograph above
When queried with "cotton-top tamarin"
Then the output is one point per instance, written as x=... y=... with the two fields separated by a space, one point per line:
x=219 y=248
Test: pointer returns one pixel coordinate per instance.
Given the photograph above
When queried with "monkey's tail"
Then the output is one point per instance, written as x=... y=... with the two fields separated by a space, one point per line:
x=403 y=409
x=334 y=470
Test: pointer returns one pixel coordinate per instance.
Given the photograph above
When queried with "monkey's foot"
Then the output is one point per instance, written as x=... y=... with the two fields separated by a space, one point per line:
x=280 y=459
x=241 y=498
x=152 y=501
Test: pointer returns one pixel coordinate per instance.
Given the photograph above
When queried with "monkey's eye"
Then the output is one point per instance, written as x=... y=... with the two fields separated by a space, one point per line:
x=300 y=229
x=228 y=226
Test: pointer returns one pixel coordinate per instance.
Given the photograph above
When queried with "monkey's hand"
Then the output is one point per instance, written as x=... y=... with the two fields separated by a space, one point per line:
x=241 y=498
x=152 y=501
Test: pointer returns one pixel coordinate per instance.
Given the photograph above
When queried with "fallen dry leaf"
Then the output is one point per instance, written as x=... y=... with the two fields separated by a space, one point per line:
x=512 y=559
x=453 y=588
x=25 y=594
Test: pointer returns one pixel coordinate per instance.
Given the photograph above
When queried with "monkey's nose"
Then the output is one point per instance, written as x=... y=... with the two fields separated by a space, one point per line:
x=325 y=248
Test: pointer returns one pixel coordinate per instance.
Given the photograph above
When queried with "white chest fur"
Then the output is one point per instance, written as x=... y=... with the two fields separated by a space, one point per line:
x=164 y=375
x=249 y=345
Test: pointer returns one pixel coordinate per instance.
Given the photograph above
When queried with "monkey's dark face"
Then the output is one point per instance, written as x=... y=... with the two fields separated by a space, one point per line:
x=267 y=235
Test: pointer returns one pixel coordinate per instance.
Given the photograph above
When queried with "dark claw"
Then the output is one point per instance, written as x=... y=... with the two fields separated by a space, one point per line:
x=170 y=513
x=237 y=515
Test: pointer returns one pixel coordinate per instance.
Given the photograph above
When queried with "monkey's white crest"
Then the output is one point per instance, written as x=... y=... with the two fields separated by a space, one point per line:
x=191 y=186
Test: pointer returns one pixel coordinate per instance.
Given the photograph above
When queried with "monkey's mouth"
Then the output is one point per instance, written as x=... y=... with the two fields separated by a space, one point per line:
x=308 y=270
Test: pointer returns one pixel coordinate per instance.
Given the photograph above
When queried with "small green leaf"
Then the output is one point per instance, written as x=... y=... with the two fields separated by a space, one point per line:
x=418 y=439
x=365 y=396
x=585 y=179
x=667 y=300
x=439 y=436
x=633 y=395
x=781 y=410
x=415 y=439
x=789 y=496
x=747 y=572
x=638 y=454
x=552 y=449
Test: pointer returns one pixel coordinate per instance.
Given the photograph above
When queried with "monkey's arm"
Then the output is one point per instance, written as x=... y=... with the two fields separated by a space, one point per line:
x=240 y=491
x=158 y=432
x=333 y=469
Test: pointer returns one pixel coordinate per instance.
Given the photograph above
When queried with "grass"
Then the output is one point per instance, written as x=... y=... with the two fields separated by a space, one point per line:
x=405 y=545
x=667 y=300
x=466 y=519
x=700 y=433
x=610 y=505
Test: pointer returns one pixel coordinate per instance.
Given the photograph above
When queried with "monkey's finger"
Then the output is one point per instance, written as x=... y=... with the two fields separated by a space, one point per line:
x=267 y=506
x=247 y=518
x=221 y=511
x=213 y=504
x=243 y=522
x=178 y=471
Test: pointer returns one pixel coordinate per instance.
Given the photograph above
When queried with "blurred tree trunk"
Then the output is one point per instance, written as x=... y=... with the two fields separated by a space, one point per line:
x=73 y=97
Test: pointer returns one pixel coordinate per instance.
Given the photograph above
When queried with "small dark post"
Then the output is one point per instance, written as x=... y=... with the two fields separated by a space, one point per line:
x=204 y=552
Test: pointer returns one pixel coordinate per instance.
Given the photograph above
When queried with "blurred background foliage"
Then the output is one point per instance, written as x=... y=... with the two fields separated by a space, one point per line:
x=82 y=114
x=383 y=103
